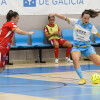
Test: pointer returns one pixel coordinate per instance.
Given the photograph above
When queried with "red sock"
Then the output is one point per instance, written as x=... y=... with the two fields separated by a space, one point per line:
x=68 y=51
x=56 y=51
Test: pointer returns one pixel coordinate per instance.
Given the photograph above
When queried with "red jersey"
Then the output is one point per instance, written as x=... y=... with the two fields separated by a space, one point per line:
x=6 y=33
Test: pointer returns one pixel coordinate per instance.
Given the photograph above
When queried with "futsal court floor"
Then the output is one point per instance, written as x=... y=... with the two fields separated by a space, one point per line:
x=48 y=82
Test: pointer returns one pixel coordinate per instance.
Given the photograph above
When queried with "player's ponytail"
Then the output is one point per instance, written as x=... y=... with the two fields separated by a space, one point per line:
x=11 y=14
x=91 y=12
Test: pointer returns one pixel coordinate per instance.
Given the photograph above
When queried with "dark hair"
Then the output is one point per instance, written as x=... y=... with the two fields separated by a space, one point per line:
x=50 y=17
x=91 y=12
x=11 y=14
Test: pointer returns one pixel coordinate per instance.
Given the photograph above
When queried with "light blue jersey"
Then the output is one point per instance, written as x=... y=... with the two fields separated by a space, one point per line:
x=81 y=36
x=82 y=32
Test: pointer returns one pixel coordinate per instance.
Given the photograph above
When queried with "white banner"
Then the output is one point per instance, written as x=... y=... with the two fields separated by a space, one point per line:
x=44 y=7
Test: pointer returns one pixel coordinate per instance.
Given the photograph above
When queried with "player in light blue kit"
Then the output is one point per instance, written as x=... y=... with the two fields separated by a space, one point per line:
x=81 y=34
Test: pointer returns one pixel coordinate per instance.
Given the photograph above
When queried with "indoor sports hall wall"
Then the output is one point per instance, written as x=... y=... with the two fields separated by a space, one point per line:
x=33 y=22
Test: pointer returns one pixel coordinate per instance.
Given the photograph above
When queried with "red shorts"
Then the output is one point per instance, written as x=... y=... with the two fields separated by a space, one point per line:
x=3 y=52
x=61 y=41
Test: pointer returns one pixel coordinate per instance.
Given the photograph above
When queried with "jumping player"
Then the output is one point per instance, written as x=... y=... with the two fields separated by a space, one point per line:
x=52 y=32
x=6 y=36
x=82 y=32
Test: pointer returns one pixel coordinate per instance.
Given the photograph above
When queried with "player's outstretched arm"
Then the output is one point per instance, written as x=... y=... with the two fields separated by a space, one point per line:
x=19 y=31
x=59 y=16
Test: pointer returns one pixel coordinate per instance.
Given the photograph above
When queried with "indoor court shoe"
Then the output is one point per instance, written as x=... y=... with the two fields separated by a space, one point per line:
x=82 y=81
x=69 y=60
x=56 y=61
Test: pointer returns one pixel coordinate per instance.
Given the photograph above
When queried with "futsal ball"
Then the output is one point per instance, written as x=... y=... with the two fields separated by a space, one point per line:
x=98 y=55
x=95 y=78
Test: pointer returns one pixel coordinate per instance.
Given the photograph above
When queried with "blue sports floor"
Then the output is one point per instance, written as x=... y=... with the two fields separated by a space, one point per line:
x=48 y=83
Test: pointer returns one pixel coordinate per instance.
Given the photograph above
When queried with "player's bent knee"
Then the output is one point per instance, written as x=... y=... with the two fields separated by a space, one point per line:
x=56 y=46
x=97 y=63
x=75 y=61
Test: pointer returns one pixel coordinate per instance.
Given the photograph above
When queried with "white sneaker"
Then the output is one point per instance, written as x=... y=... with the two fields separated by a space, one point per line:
x=69 y=60
x=56 y=61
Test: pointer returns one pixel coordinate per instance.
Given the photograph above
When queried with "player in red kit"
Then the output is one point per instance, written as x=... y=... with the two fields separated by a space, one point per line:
x=52 y=32
x=6 y=36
